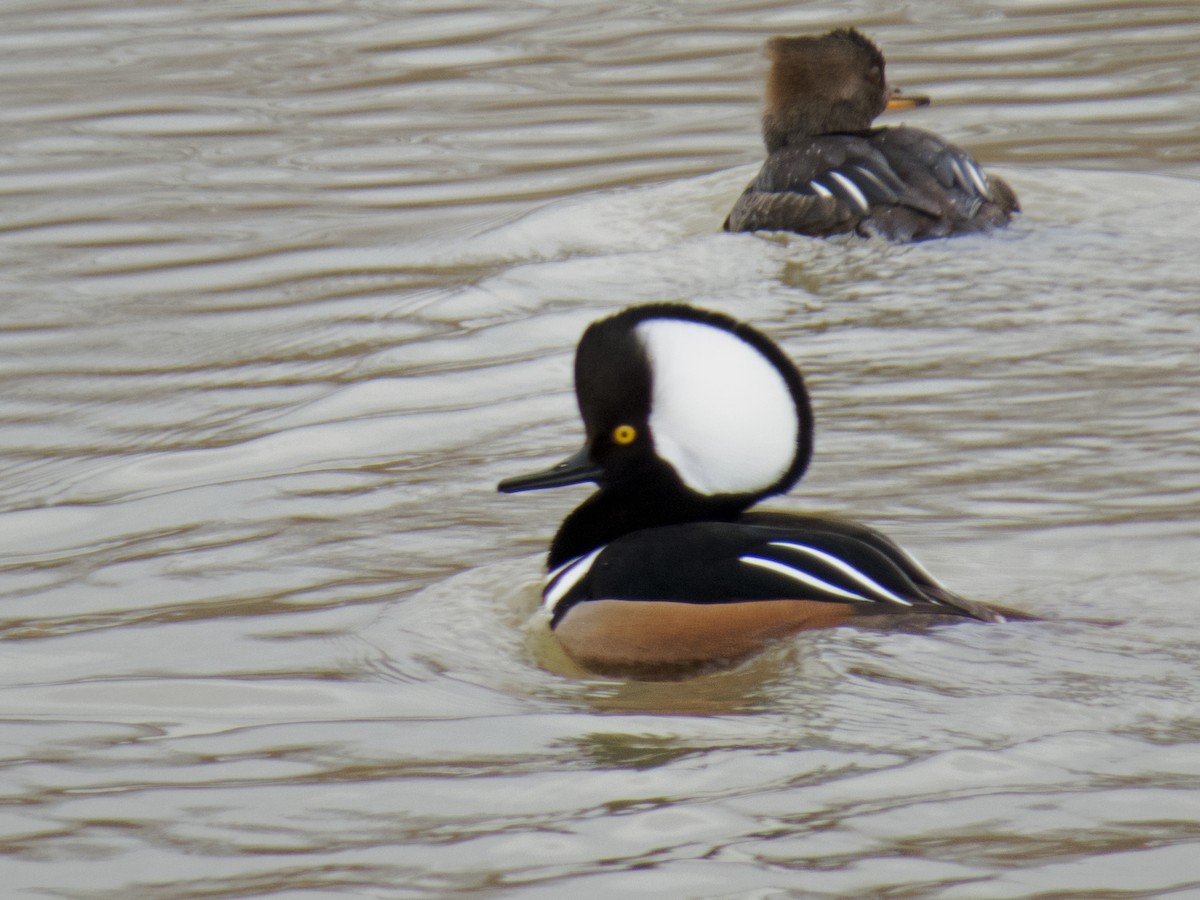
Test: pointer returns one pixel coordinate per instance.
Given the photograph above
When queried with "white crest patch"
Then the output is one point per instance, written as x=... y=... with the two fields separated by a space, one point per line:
x=721 y=414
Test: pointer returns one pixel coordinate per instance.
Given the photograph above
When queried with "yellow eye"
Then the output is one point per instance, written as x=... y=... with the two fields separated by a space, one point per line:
x=624 y=434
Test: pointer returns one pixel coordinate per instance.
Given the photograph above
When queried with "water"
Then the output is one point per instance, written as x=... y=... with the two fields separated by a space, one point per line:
x=285 y=292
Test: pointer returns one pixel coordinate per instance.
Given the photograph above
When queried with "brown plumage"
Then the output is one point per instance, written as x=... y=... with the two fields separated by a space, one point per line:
x=828 y=171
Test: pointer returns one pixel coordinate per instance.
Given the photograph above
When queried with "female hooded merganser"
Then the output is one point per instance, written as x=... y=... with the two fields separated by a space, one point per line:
x=829 y=172
x=692 y=417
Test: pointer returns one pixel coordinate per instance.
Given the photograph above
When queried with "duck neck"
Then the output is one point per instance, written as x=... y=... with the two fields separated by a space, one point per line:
x=796 y=127
x=613 y=512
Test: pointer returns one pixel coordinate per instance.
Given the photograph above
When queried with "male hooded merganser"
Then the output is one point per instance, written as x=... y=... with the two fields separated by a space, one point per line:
x=829 y=172
x=692 y=417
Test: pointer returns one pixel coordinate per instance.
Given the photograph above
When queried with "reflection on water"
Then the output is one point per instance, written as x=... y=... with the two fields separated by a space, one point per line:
x=286 y=292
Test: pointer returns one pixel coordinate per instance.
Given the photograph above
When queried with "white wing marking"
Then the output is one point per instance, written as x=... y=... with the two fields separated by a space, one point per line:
x=977 y=176
x=803 y=577
x=859 y=198
x=846 y=569
x=959 y=175
x=872 y=177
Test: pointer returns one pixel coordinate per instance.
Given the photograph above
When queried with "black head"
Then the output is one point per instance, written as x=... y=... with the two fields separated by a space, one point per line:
x=688 y=414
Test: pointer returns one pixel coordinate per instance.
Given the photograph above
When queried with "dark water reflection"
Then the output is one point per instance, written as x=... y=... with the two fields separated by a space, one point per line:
x=285 y=292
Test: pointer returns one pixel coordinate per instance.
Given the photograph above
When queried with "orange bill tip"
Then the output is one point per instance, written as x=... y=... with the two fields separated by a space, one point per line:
x=905 y=101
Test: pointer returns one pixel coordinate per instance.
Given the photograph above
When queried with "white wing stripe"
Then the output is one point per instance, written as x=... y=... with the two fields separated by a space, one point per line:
x=916 y=564
x=874 y=179
x=846 y=569
x=859 y=197
x=978 y=177
x=959 y=175
x=567 y=575
x=803 y=577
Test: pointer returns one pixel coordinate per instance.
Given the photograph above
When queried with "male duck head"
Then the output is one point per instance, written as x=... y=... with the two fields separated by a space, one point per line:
x=688 y=415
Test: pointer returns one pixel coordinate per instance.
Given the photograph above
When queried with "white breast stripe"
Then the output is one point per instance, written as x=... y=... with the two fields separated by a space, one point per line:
x=846 y=569
x=820 y=189
x=859 y=198
x=554 y=573
x=802 y=577
x=568 y=575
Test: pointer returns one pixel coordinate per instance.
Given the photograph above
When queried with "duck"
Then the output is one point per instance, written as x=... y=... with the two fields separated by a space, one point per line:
x=691 y=418
x=828 y=171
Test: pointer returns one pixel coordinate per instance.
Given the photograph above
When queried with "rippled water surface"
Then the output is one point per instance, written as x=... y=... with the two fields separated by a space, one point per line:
x=285 y=291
